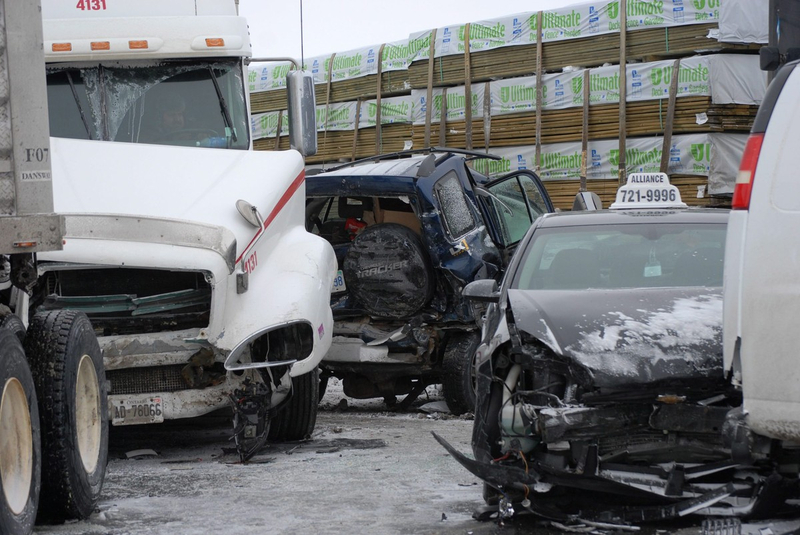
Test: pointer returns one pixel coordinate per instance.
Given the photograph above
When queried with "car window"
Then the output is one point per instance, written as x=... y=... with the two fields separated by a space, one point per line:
x=516 y=203
x=623 y=256
x=457 y=215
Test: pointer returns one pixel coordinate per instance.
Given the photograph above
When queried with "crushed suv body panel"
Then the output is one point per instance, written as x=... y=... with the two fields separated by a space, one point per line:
x=409 y=234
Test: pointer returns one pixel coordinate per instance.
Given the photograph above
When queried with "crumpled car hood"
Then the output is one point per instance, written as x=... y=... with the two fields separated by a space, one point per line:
x=628 y=336
x=186 y=183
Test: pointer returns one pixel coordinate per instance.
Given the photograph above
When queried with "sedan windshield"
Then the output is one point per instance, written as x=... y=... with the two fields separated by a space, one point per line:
x=622 y=256
x=197 y=103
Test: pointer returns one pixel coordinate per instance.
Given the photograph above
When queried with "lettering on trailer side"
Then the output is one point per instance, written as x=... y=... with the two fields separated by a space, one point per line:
x=91 y=5
x=37 y=154
x=32 y=176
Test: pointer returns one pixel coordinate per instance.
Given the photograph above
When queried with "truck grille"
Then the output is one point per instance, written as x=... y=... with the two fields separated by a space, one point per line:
x=147 y=380
x=125 y=301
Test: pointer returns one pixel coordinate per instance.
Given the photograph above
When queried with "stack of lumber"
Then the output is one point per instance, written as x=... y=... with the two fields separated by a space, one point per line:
x=644 y=45
x=392 y=83
x=643 y=119
x=562 y=192
x=338 y=146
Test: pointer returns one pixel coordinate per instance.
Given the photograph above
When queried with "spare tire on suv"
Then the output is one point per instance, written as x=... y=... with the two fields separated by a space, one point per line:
x=389 y=272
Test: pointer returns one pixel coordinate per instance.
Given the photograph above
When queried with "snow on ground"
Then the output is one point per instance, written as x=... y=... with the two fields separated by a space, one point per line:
x=403 y=483
x=366 y=470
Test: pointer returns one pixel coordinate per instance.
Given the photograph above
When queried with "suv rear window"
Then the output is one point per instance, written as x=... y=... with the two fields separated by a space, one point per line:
x=458 y=217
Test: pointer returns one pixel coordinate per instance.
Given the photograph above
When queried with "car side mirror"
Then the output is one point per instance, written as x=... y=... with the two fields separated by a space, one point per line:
x=302 y=112
x=482 y=291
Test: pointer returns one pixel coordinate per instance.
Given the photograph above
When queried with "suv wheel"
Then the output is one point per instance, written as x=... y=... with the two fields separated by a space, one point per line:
x=458 y=372
x=388 y=270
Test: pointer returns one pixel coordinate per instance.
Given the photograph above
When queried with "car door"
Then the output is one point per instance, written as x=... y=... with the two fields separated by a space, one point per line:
x=511 y=204
x=456 y=232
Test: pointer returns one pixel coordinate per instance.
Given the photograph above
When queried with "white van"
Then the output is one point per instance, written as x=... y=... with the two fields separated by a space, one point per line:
x=762 y=266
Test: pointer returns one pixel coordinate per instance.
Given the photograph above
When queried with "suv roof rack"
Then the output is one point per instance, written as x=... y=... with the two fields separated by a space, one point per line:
x=430 y=150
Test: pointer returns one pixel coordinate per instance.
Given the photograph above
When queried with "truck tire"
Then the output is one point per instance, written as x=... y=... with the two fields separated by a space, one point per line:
x=15 y=325
x=458 y=372
x=323 y=386
x=388 y=271
x=70 y=383
x=20 y=450
x=296 y=419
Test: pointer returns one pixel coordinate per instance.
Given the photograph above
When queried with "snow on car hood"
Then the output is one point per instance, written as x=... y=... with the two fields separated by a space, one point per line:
x=630 y=335
x=194 y=184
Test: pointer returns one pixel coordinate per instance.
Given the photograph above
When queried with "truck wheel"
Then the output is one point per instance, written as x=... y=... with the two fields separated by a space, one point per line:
x=20 y=451
x=296 y=420
x=323 y=386
x=14 y=324
x=70 y=383
x=458 y=372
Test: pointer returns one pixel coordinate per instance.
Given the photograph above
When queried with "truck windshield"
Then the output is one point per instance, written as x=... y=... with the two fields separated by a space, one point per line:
x=197 y=103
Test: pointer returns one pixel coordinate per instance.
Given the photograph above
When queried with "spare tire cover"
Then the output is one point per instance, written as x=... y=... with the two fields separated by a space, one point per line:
x=387 y=269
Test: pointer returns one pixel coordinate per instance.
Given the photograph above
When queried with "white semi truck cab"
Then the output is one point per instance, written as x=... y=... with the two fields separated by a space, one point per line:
x=186 y=249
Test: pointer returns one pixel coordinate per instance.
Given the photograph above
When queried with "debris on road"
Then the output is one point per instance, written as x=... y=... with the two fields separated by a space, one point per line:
x=141 y=454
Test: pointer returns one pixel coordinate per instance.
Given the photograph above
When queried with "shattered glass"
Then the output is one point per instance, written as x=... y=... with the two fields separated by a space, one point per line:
x=457 y=213
x=125 y=102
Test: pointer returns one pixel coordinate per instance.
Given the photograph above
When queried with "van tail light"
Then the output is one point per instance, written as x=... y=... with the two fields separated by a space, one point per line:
x=747 y=170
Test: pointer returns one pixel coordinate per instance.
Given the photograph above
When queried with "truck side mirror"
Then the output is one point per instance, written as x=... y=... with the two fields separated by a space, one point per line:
x=302 y=112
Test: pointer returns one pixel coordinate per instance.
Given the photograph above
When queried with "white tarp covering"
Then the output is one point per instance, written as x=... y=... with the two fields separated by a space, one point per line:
x=726 y=155
x=716 y=156
x=393 y=110
x=336 y=117
x=267 y=77
x=744 y=21
x=727 y=78
x=741 y=21
x=455 y=102
x=340 y=116
x=737 y=79
x=574 y=22
x=346 y=65
x=266 y=124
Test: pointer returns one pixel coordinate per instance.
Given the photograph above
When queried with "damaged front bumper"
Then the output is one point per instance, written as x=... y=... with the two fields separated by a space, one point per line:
x=741 y=496
x=622 y=457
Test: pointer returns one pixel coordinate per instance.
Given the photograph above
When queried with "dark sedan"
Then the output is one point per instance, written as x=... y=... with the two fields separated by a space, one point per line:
x=601 y=394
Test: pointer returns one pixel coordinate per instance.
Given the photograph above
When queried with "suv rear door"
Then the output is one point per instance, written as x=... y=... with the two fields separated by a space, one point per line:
x=511 y=204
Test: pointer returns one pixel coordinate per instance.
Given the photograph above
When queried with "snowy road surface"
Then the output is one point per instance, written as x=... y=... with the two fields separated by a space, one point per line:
x=365 y=471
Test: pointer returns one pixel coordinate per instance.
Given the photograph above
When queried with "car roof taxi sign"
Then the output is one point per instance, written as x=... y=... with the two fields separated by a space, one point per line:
x=648 y=190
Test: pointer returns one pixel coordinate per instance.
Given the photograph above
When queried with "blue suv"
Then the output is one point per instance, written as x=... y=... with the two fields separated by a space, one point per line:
x=410 y=230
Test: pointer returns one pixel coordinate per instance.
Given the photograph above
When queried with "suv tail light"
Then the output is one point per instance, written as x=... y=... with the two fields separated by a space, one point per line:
x=747 y=170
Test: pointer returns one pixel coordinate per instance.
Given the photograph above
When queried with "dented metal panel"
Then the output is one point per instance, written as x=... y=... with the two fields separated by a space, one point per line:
x=153 y=230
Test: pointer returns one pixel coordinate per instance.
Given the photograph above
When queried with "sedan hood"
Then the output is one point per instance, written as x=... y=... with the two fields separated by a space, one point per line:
x=629 y=336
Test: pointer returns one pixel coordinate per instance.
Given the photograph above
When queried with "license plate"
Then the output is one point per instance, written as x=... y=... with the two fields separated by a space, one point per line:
x=338 y=283
x=133 y=410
